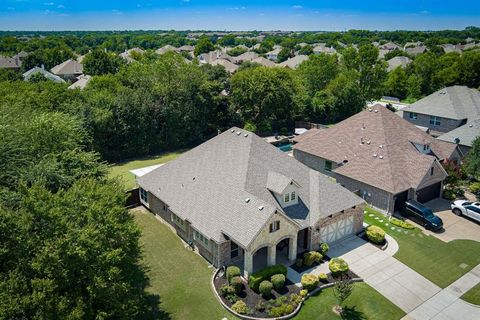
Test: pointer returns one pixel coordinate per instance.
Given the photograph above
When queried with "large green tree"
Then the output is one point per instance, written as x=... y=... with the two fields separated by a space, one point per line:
x=396 y=84
x=472 y=161
x=99 y=62
x=203 y=45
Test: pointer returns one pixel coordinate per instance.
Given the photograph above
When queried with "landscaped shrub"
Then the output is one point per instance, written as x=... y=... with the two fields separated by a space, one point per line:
x=375 y=234
x=237 y=284
x=232 y=271
x=299 y=262
x=338 y=267
x=228 y=292
x=309 y=281
x=240 y=307
x=324 y=247
x=265 y=288
x=260 y=306
x=311 y=257
x=475 y=189
x=303 y=292
x=281 y=310
x=401 y=223
x=278 y=281
x=322 y=277
x=295 y=299
x=265 y=274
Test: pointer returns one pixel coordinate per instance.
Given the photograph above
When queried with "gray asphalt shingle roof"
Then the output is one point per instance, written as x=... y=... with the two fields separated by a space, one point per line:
x=456 y=102
x=210 y=184
x=466 y=133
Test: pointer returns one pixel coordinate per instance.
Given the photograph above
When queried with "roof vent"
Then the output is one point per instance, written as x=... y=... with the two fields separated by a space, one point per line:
x=470 y=126
x=239 y=133
x=375 y=111
x=246 y=135
x=260 y=208
x=369 y=109
x=381 y=146
x=368 y=142
x=247 y=200
x=232 y=131
x=374 y=155
x=193 y=178
x=361 y=140
x=381 y=157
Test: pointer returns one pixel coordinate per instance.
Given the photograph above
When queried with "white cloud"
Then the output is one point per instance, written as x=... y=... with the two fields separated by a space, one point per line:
x=48 y=3
x=60 y=6
x=297 y=6
x=117 y=12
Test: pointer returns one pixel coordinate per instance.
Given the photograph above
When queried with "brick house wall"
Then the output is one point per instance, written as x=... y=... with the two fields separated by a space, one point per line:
x=423 y=120
x=313 y=162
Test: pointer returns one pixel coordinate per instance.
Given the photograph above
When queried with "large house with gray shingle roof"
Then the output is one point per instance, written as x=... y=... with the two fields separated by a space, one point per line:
x=445 y=110
x=380 y=156
x=238 y=199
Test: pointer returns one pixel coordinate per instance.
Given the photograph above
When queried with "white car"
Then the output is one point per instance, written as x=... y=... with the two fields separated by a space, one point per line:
x=466 y=208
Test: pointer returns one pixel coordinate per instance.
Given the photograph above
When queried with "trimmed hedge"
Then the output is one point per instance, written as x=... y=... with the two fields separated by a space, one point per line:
x=401 y=223
x=278 y=281
x=232 y=271
x=338 y=267
x=322 y=277
x=324 y=247
x=311 y=257
x=240 y=307
x=309 y=281
x=375 y=234
x=265 y=288
x=265 y=274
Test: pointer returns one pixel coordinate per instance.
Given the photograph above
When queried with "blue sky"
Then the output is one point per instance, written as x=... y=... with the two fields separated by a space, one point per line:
x=238 y=15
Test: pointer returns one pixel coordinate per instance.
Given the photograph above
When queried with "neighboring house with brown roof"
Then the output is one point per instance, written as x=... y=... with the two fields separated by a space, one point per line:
x=246 y=56
x=264 y=62
x=240 y=200
x=81 y=83
x=416 y=50
x=398 y=61
x=68 y=70
x=294 y=62
x=445 y=109
x=230 y=67
x=165 y=49
x=273 y=55
x=8 y=63
x=380 y=156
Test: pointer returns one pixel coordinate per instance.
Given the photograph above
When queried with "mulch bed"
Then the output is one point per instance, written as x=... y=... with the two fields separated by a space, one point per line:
x=251 y=298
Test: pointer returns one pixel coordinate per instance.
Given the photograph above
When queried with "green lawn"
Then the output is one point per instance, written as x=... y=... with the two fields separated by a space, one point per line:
x=182 y=280
x=473 y=295
x=438 y=261
x=122 y=169
x=179 y=276
x=364 y=303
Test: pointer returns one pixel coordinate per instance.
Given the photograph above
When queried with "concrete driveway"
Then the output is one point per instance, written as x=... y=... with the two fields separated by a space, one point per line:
x=455 y=227
x=397 y=282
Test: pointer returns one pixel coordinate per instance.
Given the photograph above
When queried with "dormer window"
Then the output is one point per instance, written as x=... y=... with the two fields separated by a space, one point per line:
x=287 y=197
x=293 y=196
x=274 y=226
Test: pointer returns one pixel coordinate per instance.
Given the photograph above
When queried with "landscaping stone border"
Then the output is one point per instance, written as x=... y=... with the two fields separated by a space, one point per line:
x=288 y=316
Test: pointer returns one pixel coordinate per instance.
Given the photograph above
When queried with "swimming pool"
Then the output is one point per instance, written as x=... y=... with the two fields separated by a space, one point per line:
x=286 y=147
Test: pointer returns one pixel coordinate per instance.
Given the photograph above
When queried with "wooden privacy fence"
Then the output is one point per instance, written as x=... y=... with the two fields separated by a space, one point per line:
x=309 y=125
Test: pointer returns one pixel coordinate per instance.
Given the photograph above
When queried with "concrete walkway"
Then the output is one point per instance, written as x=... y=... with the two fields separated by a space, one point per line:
x=447 y=303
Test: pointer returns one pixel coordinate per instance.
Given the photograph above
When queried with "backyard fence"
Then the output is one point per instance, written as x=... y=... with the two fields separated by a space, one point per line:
x=309 y=125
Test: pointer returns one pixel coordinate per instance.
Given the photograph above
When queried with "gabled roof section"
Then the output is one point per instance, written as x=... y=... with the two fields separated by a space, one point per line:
x=68 y=67
x=376 y=147
x=456 y=102
x=463 y=135
x=277 y=182
x=221 y=187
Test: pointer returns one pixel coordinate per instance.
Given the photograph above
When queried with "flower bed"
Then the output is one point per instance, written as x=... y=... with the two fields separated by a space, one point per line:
x=258 y=306
x=300 y=269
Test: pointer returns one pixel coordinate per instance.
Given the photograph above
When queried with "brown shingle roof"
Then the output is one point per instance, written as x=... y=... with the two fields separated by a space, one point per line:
x=378 y=148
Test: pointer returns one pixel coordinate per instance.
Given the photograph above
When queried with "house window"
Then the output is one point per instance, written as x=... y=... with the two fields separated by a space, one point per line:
x=413 y=116
x=178 y=221
x=293 y=196
x=431 y=171
x=233 y=250
x=274 y=226
x=328 y=165
x=287 y=197
x=143 y=195
x=200 y=238
x=435 y=121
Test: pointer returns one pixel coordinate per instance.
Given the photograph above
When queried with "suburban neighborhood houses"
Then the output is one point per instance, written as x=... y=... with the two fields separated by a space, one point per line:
x=153 y=171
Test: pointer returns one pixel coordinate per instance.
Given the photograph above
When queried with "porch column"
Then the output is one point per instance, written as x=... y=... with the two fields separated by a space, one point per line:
x=272 y=255
x=292 y=249
x=247 y=263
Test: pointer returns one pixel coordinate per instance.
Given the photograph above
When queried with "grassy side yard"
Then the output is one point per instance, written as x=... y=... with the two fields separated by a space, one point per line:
x=122 y=170
x=440 y=262
x=364 y=303
x=473 y=295
x=179 y=276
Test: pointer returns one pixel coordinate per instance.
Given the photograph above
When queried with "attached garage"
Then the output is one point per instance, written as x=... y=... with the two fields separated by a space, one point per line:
x=337 y=230
x=429 y=193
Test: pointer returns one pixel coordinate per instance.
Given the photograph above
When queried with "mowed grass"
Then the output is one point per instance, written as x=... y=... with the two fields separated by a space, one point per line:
x=364 y=303
x=438 y=261
x=179 y=276
x=122 y=170
x=473 y=295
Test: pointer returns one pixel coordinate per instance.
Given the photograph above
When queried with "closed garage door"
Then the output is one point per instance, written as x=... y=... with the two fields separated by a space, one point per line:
x=337 y=230
x=429 y=193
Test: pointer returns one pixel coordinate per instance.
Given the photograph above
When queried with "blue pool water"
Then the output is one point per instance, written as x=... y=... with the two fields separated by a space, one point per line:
x=285 y=147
